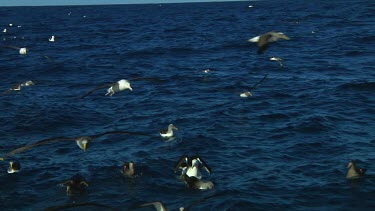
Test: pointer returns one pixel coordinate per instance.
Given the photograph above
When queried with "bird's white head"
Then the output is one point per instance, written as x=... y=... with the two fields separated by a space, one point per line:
x=124 y=84
x=172 y=127
x=83 y=142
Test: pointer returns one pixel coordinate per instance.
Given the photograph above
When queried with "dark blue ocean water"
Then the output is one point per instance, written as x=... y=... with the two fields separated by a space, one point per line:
x=284 y=148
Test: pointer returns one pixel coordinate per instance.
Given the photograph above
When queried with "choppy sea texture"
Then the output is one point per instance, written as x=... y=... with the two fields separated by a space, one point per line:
x=284 y=148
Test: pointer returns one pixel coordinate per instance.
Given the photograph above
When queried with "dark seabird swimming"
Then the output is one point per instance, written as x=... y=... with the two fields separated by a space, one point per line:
x=76 y=184
x=24 y=50
x=264 y=39
x=118 y=86
x=86 y=204
x=158 y=205
x=195 y=183
x=248 y=93
x=82 y=141
x=168 y=132
x=128 y=169
x=191 y=166
x=354 y=172
x=14 y=166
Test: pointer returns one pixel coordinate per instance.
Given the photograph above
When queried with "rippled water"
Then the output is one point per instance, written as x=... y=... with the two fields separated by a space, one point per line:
x=286 y=147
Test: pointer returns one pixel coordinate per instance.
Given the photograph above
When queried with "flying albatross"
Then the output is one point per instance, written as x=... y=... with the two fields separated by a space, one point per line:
x=266 y=38
x=24 y=50
x=248 y=93
x=118 y=86
x=82 y=141
x=278 y=60
x=18 y=87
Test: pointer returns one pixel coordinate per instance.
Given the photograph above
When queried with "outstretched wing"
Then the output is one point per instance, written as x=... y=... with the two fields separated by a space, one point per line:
x=7 y=91
x=157 y=204
x=259 y=82
x=204 y=164
x=118 y=132
x=10 y=46
x=18 y=48
x=66 y=206
x=42 y=142
x=262 y=48
x=147 y=79
x=263 y=42
x=98 y=87
x=181 y=163
x=45 y=56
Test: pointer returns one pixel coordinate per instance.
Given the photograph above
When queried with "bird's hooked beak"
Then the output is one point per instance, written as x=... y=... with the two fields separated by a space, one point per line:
x=84 y=147
x=131 y=89
x=285 y=37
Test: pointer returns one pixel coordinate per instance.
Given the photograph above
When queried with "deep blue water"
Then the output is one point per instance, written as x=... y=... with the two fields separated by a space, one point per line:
x=284 y=148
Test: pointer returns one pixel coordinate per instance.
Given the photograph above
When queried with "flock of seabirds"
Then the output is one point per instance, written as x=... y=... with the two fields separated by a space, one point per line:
x=188 y=166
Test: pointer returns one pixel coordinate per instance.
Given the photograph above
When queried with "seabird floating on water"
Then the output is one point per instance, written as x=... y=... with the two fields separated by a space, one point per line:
x=266 y=38
x=206 y=70
x=82 y=141
x=248 y=93
x=354 y=172
x=14 y=166
x=195 y=183
x=128 y=169
x=167 y=133
x=76 y=184
x=5 y=30
x=278 y=60
x=52 y=39
x=191 y=166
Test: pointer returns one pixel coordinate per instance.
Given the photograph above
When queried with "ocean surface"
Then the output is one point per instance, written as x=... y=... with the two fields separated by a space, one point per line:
x=285 y=148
